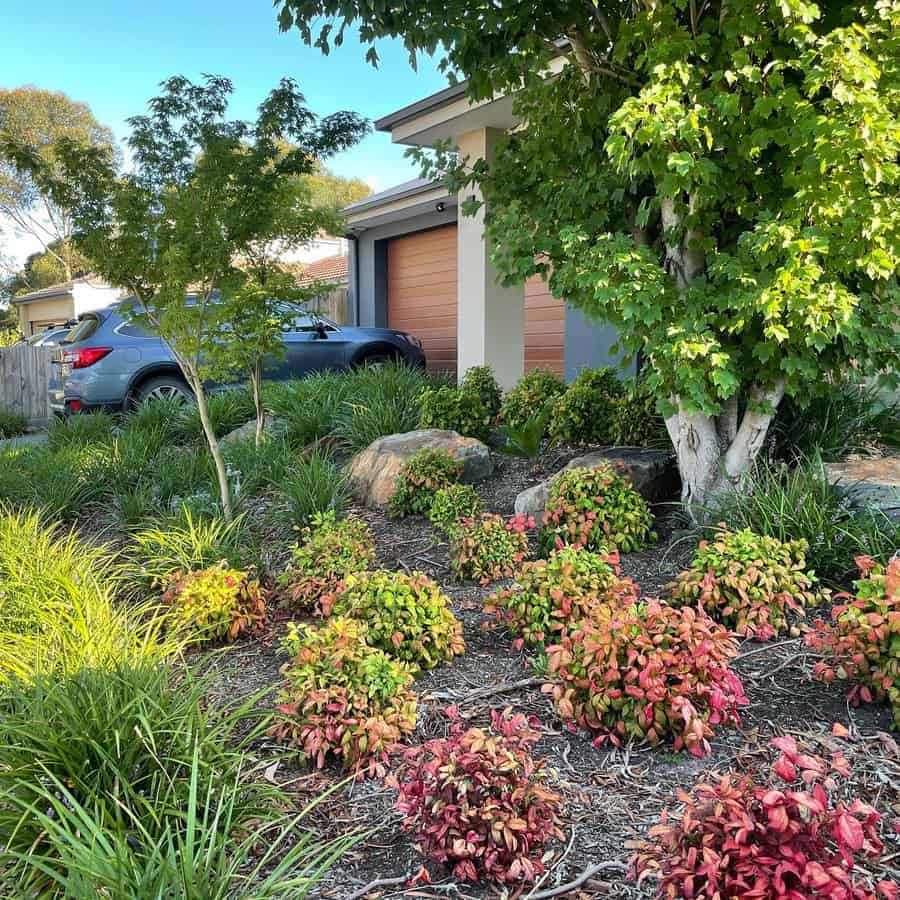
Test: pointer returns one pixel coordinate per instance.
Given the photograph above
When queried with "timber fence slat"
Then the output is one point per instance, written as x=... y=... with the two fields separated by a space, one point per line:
x=24 y=376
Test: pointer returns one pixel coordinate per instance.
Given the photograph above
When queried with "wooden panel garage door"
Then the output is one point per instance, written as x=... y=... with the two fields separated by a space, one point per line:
x=545 y=327
x=422 y=292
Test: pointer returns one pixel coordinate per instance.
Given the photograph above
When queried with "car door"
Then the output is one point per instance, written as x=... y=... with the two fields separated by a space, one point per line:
x=311 y=345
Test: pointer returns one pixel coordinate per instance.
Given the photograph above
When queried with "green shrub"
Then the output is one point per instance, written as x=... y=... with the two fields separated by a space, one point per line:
x=307 y=410
x=850 y=417
x=597 y=509
x=526 y=441
x=452 y=503
x=228 y=409
x=586 y=412
x=58 y=612
x=127 y=783
x=636 y=421
x=328 y=551
x=534 y=390
x=184 y=543
x=161 y=417
x=490 y=547
x=558 y=593
x=214 y=604
x=12 y=424
x=80 y=430
x=794 y=503
x=257 y=470
x=315 y=484
x=406 y=616
x=748 y=582
x=342 y=698
x=480 y=380
x=423 y=475
x=455 y=409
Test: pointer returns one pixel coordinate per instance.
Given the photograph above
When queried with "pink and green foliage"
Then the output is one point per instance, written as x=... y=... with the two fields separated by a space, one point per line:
x=596 y=508
x=215 y=604
x=342 y=698
x=750 y=582
x=646 y=672
x=558 y=593
x=862 y=642
x=425 y=474
x=475 y=801
x=328 y=551
x=787 y=838
x=491 y=547
x=407 y=616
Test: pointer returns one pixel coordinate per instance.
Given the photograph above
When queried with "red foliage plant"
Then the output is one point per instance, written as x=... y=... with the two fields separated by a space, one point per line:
x=646 y=672
x=475 y=802
x=491 y=547
x=789 y=838
x=862 y=642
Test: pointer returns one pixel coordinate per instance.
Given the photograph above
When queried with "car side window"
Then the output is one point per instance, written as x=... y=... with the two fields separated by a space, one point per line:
x=305 y=323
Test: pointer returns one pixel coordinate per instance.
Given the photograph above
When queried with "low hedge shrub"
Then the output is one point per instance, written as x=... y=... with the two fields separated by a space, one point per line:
x=749 y=582
x=406 y=616
x=426 y=473
x=481 y=381
x=215 y=604
x=452 y=503
x=456 y=409
x=646 y=672
x=636 y=421
x=586 y=412
x=329 y=550
x=558 y=593
x=598 y=509
x=861 y=644
x=475 y=801
x=793 y=834
x=533 y=391
x=490 y=547
x=342 y=699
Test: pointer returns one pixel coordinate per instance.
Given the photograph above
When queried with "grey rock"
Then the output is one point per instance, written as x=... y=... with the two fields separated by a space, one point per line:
x=869 y=483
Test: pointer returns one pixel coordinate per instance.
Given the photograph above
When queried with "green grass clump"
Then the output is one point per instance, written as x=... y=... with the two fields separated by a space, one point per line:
x=11 y=423
x=81 y=430
x=315 y=484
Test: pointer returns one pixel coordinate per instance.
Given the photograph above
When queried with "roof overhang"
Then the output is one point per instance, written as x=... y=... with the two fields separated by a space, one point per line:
x=38 y=296
x=386 y=210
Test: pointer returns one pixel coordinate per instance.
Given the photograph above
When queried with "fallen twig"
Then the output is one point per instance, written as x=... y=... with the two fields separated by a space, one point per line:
x=576 y=883
x=481 y=693
x=379 y=883
x=765 y=647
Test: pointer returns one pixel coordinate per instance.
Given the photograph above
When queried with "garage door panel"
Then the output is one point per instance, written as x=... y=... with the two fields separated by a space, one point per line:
x=545 y=327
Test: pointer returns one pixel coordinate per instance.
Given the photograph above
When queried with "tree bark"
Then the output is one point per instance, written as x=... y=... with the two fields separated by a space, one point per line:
x=256 y=390
x=213 y=443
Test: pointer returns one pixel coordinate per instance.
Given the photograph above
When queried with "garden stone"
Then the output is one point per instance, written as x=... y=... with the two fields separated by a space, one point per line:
x=652 y=473
x=374 y=471
x=871 y=483
x=247 y=431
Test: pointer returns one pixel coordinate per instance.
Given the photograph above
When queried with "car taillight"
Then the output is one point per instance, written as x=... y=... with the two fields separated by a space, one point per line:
x=86 y=356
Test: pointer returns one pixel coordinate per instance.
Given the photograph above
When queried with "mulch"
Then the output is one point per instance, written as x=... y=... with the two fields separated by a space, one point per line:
x=612 y=795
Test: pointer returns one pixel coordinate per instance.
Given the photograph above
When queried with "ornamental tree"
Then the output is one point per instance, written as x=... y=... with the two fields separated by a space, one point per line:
x=205 y=195
x=716 y=178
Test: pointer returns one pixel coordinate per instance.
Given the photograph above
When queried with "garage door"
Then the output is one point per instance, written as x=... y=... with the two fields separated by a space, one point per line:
x=545 y=327
x=422 y=292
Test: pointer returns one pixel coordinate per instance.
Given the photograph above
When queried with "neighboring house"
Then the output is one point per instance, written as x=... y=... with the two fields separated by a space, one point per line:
x=418 y=264
x=324 y=246
x=333 y=270
x=60 y=303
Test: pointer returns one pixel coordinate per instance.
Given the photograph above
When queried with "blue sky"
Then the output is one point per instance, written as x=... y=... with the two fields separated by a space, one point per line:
x=113 y=55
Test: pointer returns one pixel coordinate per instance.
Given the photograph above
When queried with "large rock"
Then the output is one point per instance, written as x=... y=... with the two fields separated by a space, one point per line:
x=247 y=432
x=374 y=471
x=873 y=483
x=652 y=472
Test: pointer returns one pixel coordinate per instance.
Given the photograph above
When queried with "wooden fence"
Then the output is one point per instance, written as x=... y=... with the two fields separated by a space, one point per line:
x=332 y=305
x=24 y=376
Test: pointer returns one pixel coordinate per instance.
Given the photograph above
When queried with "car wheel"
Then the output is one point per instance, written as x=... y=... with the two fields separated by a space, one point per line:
x=164 y=387
x=377 y=360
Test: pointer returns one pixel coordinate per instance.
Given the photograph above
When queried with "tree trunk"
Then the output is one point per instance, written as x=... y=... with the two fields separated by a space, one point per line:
x=196 y=384
x=256 y=390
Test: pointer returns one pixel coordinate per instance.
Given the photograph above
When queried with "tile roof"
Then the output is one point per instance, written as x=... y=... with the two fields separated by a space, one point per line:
x=331 y=268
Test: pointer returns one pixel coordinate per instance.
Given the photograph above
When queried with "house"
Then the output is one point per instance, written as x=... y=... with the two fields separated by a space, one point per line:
x=331 y=269
x=418 y=264
x=60 y=303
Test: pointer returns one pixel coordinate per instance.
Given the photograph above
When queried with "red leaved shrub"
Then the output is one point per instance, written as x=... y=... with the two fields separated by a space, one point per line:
x=789 y=838
x=646 y=672
x=475 y=802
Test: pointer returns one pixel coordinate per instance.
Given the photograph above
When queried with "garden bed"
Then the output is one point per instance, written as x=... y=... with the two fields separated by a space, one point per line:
x=612 y=796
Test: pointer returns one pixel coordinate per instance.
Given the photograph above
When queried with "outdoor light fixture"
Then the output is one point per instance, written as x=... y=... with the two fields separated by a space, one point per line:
x=439 y=206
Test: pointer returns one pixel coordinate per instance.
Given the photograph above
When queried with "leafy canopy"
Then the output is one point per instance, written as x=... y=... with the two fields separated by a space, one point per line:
x=717 y=179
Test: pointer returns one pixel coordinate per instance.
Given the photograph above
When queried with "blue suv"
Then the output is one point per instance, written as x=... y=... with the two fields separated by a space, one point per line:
x=107 y=362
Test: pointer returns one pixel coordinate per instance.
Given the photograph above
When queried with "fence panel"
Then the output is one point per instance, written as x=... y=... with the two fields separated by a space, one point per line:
x=24 y=376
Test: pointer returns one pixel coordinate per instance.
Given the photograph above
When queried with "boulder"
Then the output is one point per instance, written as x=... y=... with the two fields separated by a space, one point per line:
x=247 y=432
x=873 y=483
x=652 y=472
x=374 y=471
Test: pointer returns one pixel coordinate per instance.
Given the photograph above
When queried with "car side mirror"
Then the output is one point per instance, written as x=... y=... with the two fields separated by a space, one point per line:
x=321 y=331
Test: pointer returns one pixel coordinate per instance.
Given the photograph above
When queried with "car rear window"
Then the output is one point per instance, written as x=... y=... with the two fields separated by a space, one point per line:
x=83 y=330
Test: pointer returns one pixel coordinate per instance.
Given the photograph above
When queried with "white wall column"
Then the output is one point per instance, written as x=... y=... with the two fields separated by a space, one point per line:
x=490 y=318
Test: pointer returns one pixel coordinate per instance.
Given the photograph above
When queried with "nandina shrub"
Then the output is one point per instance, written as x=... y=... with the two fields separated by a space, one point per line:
x=342 y=698
x=861 y=644
x=214 y=604
x=598 y=509
x=329 y=549
x=450 y=504
x=748 y=581
x=426 y=473
x=586 y=412
x=646 y=672
x=481 y=381
x=787 y=836
x=475 y=801
x=533 y=391
x=558 y=593
x=490 y=547
x=407 y=616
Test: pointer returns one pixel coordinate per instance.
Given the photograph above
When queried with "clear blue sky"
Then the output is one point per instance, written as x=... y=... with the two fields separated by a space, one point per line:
x=112 y=55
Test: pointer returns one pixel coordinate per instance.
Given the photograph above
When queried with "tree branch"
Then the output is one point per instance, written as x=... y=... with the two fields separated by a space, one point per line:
x=755 y=425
